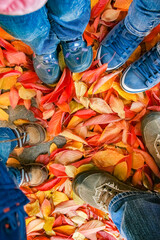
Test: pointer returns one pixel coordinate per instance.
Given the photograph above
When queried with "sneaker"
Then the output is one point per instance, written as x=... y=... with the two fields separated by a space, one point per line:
x=32 y=174
x=151 y=134
x=97 y=188
x=47 y=68
x=77 y=55
x=142 y=74
x=117 y=47
x=29 y=134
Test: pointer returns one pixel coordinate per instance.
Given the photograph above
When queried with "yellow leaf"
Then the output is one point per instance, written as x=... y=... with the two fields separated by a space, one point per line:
x=40 y=195
x=70 y=135
x=85 y=167
x=78 y=220
x=70 y=171
x=93 y=3
x=29 y=219
x=100 y=106
x=78 y=236
x=84 y=101
x=120 y=171
x=75 y=106
x=61 y=61
x=53 y=147
x=80 y=88
x=59 y=197
x=74 y=122
x=107 y=158
x=82 y=214
x=20 y=121
x=32 y=208
x=3 y=115
x=26 y=93
x=49 y=221
x=4 y=99
x=8 y=82
x=77 y=76
x=122 y=93
x=74 y=145
x=65 y=229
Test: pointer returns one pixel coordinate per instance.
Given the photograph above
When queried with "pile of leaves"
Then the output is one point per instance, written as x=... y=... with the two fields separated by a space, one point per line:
x=100 y=121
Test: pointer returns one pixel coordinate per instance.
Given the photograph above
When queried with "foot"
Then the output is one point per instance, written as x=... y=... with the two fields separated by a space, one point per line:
x=47 y=67
x=117 y=47
x=97 y=188
x=142 y=74
x=30 y=134
x=151 y=134
x=32 y=174
x=77 y=55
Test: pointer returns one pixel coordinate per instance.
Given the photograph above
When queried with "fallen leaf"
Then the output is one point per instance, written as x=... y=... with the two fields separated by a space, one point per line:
x=99 y=105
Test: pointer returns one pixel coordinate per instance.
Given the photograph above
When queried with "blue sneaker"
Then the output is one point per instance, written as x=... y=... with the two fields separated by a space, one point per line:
x=77 y=55
x=142 y=74
x=47 y=68
x=117 y=47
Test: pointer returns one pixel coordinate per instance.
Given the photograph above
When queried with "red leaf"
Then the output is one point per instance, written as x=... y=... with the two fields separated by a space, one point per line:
x=65 y=207
x=43 y=158
x=55 y=124
x=85 y=113
x=98 y=8
x=15 y=58
x=37 y=113
x=9 y=73
x=13 y=97
x=7 y=45
x=154 y=108
x=36 y=87
x=49 y=184
x=28 y=77
x=1 y=58
x=57 y=169
x=102 y=119
x=81 y=162
x=91 y=76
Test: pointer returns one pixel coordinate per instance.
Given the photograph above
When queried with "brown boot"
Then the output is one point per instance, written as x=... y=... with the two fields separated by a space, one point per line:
x=32 y=174
x=97 y=188
x=30 y=134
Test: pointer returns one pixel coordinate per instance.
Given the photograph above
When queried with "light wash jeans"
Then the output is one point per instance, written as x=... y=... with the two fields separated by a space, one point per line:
x=59 y=20
x=12 y=200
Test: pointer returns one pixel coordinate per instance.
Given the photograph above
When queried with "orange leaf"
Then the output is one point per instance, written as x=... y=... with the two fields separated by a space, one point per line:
x=117 y=106
x=46 y=208
x=107 y=158
x=55 y=124
x=91 y=227
x=102 y=119
x=109 y=133
x=5 y=35
x=137 y=160
x=22 y=47
x=65 y=229
x=66 y=207
x=70 y=135
x=15 y=58
x=68 y=156
x=14 y=97
x=110 y=15
x=122 y=4
x=35 y=225
x=4 y=99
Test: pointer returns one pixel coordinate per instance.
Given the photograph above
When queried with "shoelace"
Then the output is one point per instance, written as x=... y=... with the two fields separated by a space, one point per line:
x=25 y=177
x=125 y=41
x=149 y=66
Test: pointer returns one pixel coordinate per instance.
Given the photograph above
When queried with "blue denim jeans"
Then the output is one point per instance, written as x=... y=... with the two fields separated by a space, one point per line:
x=12 y=200
x=143 y=16
x=136 y=215
x=59 y=20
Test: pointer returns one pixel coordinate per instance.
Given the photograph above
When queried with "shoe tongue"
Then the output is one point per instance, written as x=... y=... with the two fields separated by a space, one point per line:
x=75 y=44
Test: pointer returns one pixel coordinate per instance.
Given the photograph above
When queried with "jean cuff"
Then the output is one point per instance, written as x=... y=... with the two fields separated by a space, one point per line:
x=127 y=195
x=132 y=30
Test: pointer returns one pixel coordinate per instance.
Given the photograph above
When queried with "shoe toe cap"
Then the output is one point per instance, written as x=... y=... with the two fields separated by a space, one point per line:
x=132 y=81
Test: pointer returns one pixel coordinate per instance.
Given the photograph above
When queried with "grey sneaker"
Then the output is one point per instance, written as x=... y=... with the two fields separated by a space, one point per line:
x=151 y=134
x=97 y=188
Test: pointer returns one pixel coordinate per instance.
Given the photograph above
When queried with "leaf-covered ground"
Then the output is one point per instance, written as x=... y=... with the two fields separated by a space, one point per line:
x=101 y=122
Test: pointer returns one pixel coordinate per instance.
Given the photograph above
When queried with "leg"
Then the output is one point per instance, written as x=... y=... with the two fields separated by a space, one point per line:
x=35 y=30
x=136 y=215
x=69 y=19
x=142 y=17
x=125 y=37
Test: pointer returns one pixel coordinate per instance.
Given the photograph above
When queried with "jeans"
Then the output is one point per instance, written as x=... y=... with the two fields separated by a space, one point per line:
x=12 y=200
x=136 y=215
x=42 y=30
x=143 y=16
